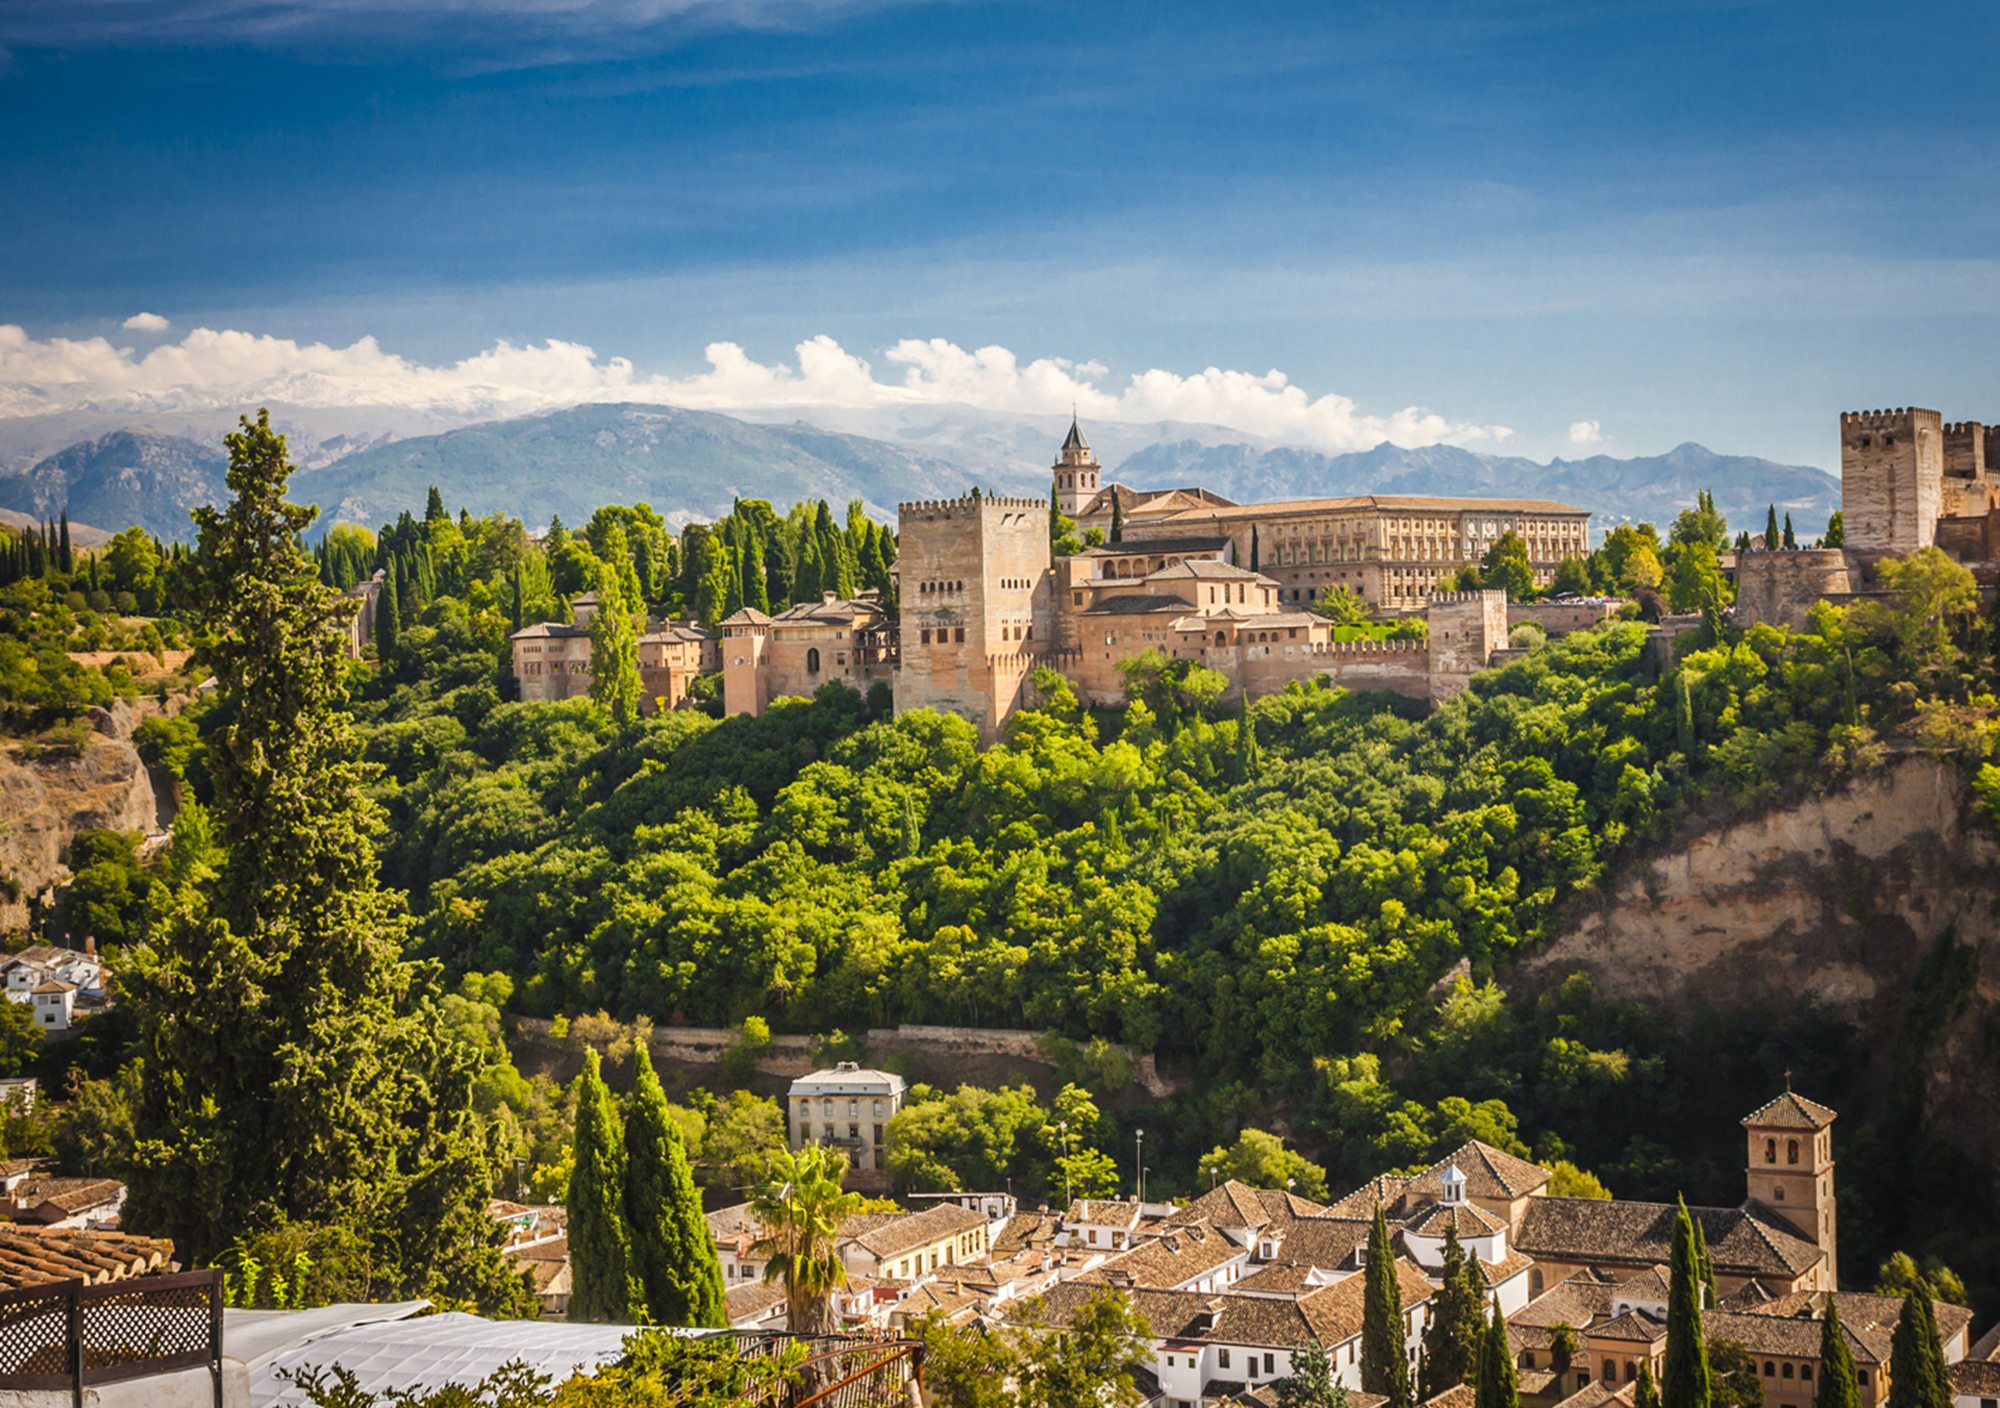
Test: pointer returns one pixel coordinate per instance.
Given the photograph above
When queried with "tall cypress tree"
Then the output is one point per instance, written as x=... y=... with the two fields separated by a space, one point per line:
x=1709 y=1298
x=389 y=615
x=1385 y=1365
x=756 y=581
x=1117 y=517
x=600 y=1257
x=673 y=1256
x=614 y=640
x=65 y=559
x=1498 y=1386
x=1836 y=1386
x=293 y=1068
x=1685 y=1382
x=1771 y=528
x=1255 y=551
x=1790 y=541
x=1645 y=1393
x=1917 y=1374
x=1452 y=1341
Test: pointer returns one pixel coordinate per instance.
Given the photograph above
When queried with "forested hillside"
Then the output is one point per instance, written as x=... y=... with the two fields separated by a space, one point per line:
x=1311 y=904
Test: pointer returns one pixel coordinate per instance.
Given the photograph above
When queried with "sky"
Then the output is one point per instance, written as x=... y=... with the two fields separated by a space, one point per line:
x=1548 y=228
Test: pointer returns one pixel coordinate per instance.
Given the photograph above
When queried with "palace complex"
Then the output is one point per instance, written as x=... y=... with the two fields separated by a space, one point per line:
x=1184 y=572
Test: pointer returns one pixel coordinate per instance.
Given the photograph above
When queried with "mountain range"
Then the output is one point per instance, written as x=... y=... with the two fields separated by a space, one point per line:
x=690 y=465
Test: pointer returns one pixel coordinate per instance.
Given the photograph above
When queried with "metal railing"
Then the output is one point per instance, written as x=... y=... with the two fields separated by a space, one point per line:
x=69 y=1335
x=842 y=1371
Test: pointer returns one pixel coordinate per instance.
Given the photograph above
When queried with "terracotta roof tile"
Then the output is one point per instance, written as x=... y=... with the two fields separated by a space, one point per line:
x=1790 y=1111
x=33 y=1257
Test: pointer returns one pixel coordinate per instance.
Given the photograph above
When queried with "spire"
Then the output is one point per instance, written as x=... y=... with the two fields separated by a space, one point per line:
x=1075 y=440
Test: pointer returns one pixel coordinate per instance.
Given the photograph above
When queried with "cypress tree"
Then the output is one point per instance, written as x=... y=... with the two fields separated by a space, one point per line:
x=517 y=601
x=1771 y=528
x=1790 y=541
x=1917 y=1374
x=1117 y=518
x=1452 y=1341
x=1255 y=552
x=389 y=615
x=1709 y=1298
x=599 y=1244
x=614 y=643
x=1498 y=1386
x=1646 y=1393
x=673 y=1256
x=434 y=508
x=756 y=581
x=294 y=1069
x=65 y=559
x=1685 y=1382
x=1385 y=1366
x=1836 y=1386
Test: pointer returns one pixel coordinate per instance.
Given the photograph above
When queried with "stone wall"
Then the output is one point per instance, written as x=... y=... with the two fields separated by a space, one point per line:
x=1559 y=618
x=1465 y=629
x=1779 y=588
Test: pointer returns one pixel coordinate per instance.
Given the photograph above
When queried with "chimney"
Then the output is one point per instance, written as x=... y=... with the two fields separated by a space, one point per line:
x=829 y=598
x=90 y=947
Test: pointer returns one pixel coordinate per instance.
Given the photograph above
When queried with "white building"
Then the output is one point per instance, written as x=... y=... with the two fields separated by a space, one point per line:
x=848 y=1106
x=28 y=970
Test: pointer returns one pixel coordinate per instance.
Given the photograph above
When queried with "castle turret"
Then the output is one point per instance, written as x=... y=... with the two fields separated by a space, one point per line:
x=1790 y=1169
x=1076 y=469
x=1891 y=479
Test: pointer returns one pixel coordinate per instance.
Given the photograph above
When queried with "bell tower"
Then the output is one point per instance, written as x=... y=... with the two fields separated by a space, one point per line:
x=1075 y=471
x=1790 y=1169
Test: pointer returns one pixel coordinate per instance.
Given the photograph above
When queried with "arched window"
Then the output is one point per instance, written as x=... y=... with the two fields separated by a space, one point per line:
x=1218 y=637
x=812 y=661
x=1787 y=1370
x=1791 y=1151
x=1769 y=1372
x=1770 y=1151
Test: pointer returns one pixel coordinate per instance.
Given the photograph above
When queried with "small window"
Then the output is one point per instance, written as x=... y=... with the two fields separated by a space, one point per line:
x=1861 y=1377
x=812 y=661
x=1770 y=1151
x=1791 y=1151
x=1785 y=1371
x=1778 y=1193
x=1805 y=1372
x=1222 y=1358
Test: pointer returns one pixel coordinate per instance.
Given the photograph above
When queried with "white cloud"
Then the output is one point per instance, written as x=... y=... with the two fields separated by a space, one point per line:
x=209 y=369
x=1586 y=432
x=145 y=322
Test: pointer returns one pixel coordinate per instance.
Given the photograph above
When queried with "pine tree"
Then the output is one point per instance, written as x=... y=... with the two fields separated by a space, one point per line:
x=599 y=1244
x=1117 y=517
x=1312 y=1383
x=294 y=1069
x=1451 y=1343
x=434 y=508
x=1836 y=1386
x=1498 y=1385
x=1645 y=1393
x=1917 y=1374
x=1385 y=1366
x=1771 y=528
x=673 y=1255
x=1685 y=1382
x=389 y=615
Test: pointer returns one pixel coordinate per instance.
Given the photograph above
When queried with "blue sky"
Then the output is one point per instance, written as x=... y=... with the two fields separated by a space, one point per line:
x=1720 y=222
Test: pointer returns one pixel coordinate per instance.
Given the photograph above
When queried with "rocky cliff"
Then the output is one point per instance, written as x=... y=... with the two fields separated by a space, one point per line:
x=45 y=801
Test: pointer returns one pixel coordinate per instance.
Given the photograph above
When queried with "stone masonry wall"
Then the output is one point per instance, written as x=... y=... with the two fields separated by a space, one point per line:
x=1891 y=478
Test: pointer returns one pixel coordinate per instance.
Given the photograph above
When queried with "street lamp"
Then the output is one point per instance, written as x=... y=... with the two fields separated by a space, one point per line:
x=1064 y=1130
x=1139 y=1162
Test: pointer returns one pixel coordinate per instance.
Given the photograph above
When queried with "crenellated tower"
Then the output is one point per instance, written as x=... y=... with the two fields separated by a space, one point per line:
x=1075 y=470
x=1892 y=466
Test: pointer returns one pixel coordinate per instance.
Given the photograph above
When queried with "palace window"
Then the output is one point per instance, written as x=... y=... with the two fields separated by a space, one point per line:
x=812 y=661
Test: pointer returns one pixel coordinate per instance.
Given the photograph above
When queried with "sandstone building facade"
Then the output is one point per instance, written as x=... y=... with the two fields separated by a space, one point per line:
x=552 y=658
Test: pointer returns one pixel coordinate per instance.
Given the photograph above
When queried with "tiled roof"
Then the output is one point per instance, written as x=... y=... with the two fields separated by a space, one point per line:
x=1489 y=1173
x=1390 y=503
x=751 y=1299
x=1183 y=1254
x=1100 y=1212
x=1470 y=1219
x=1631 y=1326
x=1506 y=1269
x=1790 y=1111
x=70 y=1195
x=1598 y=1229
x=1379 y=1191
x=746 y=616
x=1234 y=1204
x=1325 y=1242
x=33 y=1257
x=1143 y=547
x=1024 y=1230
x=1135 y=604
x=1457 y=1396
x=1870 y=1318
x=1575 y=1302
x=549 y=628
x=1987 y=1346
x=53 y=986
x=1597 y=1394
x=1209 y=570
x=897 y=1233
x=1074 y=440
x=839 y=611
x=1976 y=1378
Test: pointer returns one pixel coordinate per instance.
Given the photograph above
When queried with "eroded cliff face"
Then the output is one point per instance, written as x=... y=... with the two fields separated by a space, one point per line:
x=1843 y=901
x=44 y=802
x=1838 y=899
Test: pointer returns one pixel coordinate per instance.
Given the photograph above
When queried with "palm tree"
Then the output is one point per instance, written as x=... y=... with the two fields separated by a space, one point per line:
x=801 y=1205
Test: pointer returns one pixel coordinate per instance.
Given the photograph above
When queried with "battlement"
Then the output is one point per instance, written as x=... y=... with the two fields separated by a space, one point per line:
x=1457 y=598
x=1883 y=420
x=1966 y=428
x=1365 y=646
x=969 y=505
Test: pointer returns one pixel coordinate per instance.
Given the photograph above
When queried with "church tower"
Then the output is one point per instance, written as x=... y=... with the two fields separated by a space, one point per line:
x=1790 y=1169
x=1075 y=470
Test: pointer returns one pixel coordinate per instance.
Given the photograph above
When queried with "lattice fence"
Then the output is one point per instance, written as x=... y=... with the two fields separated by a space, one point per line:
x=66 y=1334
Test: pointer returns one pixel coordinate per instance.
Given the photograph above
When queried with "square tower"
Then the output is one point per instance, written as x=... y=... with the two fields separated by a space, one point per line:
x=973 y=581
x=1790 y=1169
x=1075 y=473
x=1891 y=479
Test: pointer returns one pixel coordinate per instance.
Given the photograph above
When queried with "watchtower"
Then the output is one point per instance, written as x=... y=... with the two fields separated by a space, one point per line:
x=1075 y=470
x=1891 y=479
x=1790 y=1169
x=1465 y=629
x=974 y=585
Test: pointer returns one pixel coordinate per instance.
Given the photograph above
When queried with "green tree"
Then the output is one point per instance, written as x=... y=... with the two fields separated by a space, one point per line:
x=1498 y=1385
x=1385 y=1367
x=1263 y=1160
x=1694 y=581
x=614 y=635
x=1789 y=539
x=1901 y=1273
x=744 y=1131
x=1341 y=605
x=1085 y=1362
x=600 y=1243
x=1703 y=523
x=1506 y=567
x=1836 y=531
x=389 y=615
x=1685 y=1381
x=967 y=1366
x=1732 y=1374
x=1117 y=517
x=1835 y=1386
x=801 y=1205
x=1312 y=1384
x=1917 y=1374
x=1566 y=1180
x=293 y=1067
x=1452 y=1340
x=1771 y=535
x=673 y=1255
x=1645 y=1393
